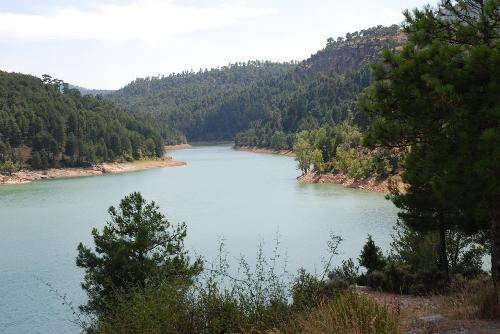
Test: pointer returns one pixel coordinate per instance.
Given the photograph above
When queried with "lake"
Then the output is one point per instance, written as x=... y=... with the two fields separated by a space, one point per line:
x=244 y=198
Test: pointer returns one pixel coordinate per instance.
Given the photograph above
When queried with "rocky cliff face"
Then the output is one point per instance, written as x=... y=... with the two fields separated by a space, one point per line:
x=353 y=51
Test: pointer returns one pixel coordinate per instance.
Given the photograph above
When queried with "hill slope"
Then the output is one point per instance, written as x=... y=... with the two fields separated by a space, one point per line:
x=46 y=123
x=262 y=98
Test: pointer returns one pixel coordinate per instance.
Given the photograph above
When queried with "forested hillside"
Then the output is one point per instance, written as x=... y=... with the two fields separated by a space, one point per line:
x=49 y=123
x=206 y=105
x=264 y=103
x=45 y=123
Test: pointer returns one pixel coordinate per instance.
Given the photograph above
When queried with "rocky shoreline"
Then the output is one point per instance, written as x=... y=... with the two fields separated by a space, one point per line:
x=255 y=149
x=27 y=176
x=371 y=183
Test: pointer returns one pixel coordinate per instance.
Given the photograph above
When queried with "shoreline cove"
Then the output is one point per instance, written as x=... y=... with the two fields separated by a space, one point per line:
x=25 y=176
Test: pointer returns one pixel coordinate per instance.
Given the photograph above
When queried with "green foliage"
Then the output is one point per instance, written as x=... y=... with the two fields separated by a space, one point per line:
x=140 y=280
x=308 y=291
x=137 y=247
x=303 y=152
x=419 y=250
x=8 y=167
x=162 y=309
x=211 y=104
x=354 y=163
x=371 y=256
x=338 y=148
x=64 y=127
x=317 y=161
x=265 y=103
x=39 y=160
x=347 y=272
x=218 y=302
x=413 y=265
x=6 y=152
x=263 y=136
x=439 y=96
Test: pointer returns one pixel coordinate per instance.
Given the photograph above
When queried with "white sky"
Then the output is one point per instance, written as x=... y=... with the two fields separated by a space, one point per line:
x=106 y=44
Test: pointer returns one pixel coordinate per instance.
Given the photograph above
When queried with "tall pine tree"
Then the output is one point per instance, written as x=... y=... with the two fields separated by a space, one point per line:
x=439 y=97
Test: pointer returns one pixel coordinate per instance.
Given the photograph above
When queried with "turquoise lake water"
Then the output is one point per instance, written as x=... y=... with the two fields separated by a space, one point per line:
x=242 y=197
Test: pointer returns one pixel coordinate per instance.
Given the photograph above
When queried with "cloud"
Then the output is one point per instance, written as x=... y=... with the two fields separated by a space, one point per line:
x=152 y=21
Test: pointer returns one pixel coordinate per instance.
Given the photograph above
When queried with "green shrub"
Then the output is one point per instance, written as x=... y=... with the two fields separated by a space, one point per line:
x=417 y=251
x=137 y=247
x=371 y=256
x=347 y=272
x=317 y=161
x=39 y=160
x=398 y=277
x=158 y=309
x=376 y=279
x=8 y=167
x=354 y=163
x=306 y=290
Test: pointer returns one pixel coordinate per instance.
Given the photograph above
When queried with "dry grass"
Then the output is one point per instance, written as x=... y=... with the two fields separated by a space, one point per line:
x=408 y=307
x=477 y=299
x=471 y=308
x=349 y=313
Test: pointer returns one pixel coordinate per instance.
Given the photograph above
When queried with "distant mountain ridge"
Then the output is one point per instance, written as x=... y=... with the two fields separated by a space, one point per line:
x=218 y=104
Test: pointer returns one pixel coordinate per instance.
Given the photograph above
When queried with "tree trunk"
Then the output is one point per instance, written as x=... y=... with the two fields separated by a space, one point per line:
x=495 y=245
x=443 y=257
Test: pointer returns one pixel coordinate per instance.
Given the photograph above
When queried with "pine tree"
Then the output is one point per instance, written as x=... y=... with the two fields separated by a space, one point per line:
x=439 y=96
x=137 y=247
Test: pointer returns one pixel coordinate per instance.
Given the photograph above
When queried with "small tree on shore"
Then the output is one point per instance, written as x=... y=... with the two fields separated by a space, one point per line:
x=303 y=151
x=136 y=248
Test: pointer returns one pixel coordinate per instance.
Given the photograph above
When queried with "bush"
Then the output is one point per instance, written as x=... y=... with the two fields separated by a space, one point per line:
x=348 y=313
x=306 y=290
x=139 y=280
x=162 y=309
x=8 y=167
x=400 y=278
x=347 y=272
x=417 y=252
x=39 y=160
x=354 y=163
x=376 y=279
x=371 y=256
x=309 y=291
x=216 y=303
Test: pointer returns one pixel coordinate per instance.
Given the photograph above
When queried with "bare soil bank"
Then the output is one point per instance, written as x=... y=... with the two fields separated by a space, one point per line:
x=371 y=183
x=288 y=153
x=26 y=176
